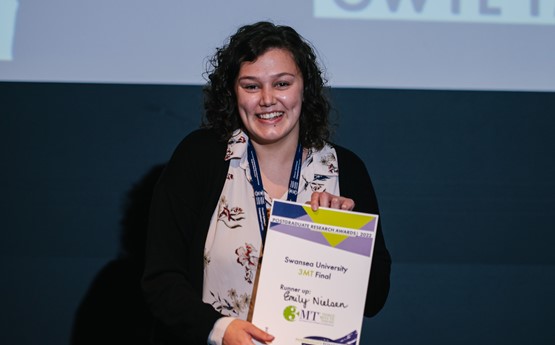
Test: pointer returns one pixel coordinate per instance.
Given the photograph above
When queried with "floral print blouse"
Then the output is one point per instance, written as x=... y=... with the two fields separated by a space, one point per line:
x=233 y=241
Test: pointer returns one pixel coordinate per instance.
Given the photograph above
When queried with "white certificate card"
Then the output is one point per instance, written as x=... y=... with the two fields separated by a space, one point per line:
x=314 y=275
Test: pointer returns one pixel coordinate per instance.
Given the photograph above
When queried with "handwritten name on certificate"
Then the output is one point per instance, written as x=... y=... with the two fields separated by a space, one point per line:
x=314 y=275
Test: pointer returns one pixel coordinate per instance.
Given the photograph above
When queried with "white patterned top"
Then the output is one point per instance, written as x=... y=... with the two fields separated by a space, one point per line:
x=233 y=241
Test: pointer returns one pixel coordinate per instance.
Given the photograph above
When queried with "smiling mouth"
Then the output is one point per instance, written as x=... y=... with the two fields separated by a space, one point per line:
x=270 y=116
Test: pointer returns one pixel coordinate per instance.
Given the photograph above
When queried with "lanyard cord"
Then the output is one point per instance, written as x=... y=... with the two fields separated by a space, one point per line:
x=259 y=188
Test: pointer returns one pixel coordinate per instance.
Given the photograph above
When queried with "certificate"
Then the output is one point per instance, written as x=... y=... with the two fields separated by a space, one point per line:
x=314 y=275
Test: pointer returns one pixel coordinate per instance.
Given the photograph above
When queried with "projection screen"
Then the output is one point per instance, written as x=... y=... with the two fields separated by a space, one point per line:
x=417 y=44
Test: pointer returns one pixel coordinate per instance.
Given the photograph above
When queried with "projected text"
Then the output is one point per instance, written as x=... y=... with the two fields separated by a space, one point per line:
x=486 y=11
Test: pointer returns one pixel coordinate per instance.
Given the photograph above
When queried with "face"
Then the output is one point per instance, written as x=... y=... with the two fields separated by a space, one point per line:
x=269 y=98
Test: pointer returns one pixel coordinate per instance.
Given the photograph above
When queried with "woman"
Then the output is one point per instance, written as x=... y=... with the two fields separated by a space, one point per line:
x=265 y=114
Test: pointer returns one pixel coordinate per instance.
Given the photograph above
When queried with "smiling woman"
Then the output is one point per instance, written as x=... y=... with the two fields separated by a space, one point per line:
x=265 y=131
x=246 y=46
x=269 y=98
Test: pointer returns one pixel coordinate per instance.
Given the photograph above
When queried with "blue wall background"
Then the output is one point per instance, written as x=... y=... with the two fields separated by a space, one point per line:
x=465 y=182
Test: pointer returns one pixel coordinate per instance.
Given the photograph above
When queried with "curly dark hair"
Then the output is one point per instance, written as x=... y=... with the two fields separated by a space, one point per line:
x=247 y=44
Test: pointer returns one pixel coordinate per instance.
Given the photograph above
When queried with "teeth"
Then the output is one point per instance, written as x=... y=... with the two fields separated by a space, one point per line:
x=269 y=116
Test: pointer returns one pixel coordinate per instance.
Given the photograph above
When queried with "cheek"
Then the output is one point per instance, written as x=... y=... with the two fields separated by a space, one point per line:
x=243 y=103
x=292 y=100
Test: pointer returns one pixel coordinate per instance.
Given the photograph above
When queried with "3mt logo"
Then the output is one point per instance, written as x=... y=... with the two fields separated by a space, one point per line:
x=291 y=313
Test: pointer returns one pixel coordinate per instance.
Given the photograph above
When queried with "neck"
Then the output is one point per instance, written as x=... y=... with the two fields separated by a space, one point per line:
x=275 y=162
x=275 y=155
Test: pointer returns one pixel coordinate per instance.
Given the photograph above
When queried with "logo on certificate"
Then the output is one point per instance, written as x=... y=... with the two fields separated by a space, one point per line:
x=291 y=313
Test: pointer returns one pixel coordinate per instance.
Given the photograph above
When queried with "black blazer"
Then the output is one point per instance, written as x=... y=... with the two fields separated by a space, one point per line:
x=179 y=221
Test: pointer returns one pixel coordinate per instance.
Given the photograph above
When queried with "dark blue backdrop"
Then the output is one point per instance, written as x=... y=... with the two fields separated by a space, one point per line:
x=465 y=182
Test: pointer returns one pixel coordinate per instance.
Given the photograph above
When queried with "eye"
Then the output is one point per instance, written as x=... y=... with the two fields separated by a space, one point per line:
x=250 y=87
x=282 y=84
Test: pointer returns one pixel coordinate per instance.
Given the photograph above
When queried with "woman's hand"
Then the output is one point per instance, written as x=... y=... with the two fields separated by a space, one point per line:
x=326 y=199
x=240 y=332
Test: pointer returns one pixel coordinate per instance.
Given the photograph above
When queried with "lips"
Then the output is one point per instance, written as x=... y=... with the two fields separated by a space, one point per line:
x=270 y=116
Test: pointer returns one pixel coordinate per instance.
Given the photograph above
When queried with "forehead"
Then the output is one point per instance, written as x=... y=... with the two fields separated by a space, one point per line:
x=273 y=60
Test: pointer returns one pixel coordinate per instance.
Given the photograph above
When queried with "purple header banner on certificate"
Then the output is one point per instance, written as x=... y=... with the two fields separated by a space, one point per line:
x=325 y=226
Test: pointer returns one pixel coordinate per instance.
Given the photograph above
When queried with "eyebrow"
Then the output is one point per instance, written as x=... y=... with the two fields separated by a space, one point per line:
x=279 y=75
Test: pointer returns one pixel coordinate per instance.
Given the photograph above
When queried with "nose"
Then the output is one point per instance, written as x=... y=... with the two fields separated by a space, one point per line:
x=267 y=97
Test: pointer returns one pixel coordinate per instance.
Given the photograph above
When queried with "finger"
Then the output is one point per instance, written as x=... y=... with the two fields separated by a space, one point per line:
x=325 y=199
x=237 y=333
x=315 y=201
x=259 y=334
x=348 y=204
x=335 y=202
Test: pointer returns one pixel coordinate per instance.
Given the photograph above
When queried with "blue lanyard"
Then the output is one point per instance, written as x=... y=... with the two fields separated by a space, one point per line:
x=259 y=189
